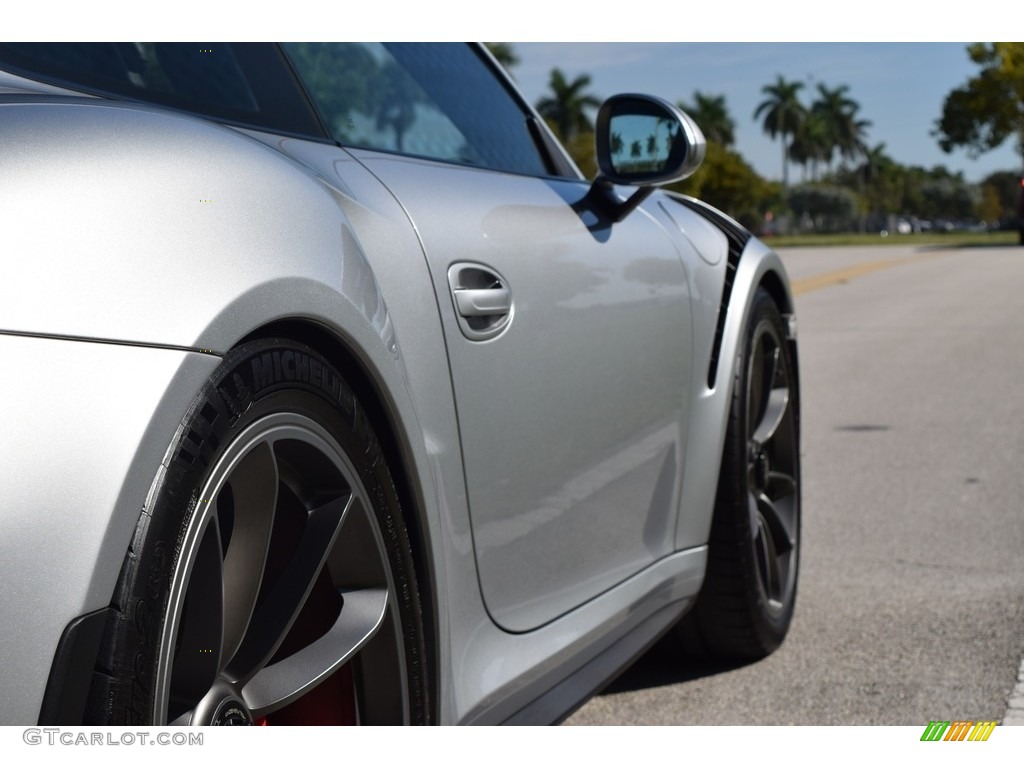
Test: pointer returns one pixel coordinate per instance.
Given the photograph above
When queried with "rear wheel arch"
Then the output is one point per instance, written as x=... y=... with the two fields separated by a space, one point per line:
x=318 y=444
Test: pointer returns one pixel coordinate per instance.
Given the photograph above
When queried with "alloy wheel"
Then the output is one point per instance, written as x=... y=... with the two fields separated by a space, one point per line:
x=282 y=603
x=772 y=467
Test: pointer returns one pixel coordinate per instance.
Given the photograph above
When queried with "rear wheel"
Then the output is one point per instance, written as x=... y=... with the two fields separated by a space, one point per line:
x=746 y=604
x=270 y=579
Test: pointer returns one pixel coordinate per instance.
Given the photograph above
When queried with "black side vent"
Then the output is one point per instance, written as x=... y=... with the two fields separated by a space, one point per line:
x=738 y=238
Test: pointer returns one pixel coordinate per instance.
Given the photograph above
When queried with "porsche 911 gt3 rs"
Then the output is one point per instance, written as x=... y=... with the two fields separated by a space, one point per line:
x=333 y=393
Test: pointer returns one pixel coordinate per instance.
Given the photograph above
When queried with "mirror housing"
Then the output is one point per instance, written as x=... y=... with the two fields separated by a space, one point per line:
x=642 y=141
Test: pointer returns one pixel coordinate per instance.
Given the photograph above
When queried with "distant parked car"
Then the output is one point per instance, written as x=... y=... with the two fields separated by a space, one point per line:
x=1020 y=214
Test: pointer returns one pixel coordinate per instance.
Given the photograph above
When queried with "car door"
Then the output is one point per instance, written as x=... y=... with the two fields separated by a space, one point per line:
x=568 y=337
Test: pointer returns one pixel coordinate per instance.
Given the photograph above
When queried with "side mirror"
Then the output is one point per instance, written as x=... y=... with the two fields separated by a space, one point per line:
x=642 y=141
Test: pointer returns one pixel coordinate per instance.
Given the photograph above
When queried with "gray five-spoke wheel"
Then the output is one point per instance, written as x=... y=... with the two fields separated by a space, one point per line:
x=772 y=464
x=282 y=585
x=746 y=604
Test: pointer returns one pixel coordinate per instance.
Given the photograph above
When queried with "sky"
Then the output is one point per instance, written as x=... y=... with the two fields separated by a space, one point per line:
x=900 y=87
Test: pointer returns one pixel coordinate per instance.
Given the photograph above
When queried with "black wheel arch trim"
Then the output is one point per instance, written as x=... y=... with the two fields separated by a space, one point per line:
x=67 y=688
x=74 y=662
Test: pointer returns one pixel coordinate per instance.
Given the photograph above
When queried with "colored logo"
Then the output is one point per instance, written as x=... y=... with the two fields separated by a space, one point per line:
x=958 y=730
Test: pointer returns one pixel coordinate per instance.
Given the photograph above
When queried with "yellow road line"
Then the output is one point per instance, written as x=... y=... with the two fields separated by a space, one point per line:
x=813 y=283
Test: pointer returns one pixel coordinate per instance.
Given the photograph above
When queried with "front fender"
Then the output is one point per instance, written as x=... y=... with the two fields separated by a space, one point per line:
x=757 y=265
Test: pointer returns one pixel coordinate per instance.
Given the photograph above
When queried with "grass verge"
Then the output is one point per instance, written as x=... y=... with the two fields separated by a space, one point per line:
x=948 y=240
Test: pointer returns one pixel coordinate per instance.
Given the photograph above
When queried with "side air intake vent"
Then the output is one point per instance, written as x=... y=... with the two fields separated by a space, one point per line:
x=738 y=238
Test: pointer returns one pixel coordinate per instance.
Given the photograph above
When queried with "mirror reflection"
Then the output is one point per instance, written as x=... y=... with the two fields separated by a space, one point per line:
x=642 y=144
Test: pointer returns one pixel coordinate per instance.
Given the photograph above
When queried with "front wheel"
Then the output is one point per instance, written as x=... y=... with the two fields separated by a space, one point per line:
x=270 y=578
x=746 y=604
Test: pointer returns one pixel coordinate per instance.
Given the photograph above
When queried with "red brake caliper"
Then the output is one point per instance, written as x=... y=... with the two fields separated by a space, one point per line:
x=333 y=702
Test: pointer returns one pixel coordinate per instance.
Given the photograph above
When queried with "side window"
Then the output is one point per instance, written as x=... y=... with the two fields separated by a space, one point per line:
x=435 y=100
x=248 y=83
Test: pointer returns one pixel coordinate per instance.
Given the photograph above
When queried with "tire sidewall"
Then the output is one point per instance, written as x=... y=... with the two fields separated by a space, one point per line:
x=770 y=626
x=255 y=380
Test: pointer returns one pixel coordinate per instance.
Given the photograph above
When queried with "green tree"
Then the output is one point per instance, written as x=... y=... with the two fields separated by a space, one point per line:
x=726 y=181
x=882 y=182
x=340 y=96
x=989 y=108
x=616 y=147
x=566 y=107
x=838 y=113
x=936 y=193
x=947 y=195
x=783 y=114
x=990 y=207
x=827 y=208
x=811 y=145
x=504 y=53
x=582 y=150
x=397 y=96
x=713 y=117
x=1002 y=190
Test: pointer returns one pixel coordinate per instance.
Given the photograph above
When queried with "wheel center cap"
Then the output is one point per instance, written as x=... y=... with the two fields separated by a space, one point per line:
x=232 y=712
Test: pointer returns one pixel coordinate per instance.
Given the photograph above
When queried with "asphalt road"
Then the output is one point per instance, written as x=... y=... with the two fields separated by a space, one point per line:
x=911 y=596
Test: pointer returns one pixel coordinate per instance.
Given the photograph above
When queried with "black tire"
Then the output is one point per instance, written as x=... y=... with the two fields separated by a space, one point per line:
x=746 y=603
x=275 y=488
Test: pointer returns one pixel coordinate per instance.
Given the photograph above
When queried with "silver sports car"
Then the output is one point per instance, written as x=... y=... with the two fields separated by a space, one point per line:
x=333 y=393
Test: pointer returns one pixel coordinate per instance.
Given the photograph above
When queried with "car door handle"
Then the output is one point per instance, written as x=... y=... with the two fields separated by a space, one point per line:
x=482 y=302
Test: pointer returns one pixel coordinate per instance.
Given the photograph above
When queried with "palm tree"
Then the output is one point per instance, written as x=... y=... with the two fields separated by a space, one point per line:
x=883 y=179
x=811 y=144
x=617 y=145
x=839 y=114
x=566 y=107
x=713 y=117
x=397 y=97
x=875 y=159
x=859 y=144
x=504 y=54
x=783 y=114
